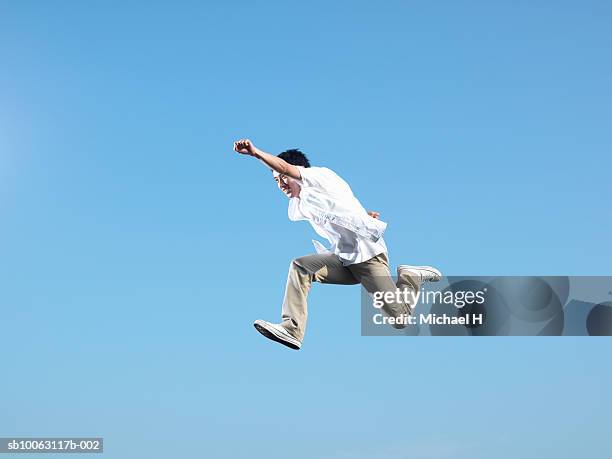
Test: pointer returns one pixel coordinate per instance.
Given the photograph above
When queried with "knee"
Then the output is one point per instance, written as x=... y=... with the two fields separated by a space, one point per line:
x=295 y=263
x=298 y=265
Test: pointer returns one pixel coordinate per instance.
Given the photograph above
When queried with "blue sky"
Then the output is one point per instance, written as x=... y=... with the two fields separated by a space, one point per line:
x=137 y=249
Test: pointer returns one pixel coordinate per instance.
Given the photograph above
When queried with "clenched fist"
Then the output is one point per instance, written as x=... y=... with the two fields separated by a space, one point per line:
x=245 y=147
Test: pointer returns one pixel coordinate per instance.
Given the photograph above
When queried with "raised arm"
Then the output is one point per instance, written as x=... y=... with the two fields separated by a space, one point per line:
x=246 y=147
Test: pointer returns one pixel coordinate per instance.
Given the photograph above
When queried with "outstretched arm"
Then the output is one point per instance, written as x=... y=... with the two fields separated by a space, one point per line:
x=246 y=147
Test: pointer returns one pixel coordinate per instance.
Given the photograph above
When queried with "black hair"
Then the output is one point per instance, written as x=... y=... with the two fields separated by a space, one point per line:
x=295 y=157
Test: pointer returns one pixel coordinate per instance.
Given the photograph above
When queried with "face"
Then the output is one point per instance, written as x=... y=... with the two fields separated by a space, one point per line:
x=287 y=185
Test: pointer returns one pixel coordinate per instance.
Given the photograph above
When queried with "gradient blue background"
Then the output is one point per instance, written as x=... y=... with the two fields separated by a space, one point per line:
x=136 y=248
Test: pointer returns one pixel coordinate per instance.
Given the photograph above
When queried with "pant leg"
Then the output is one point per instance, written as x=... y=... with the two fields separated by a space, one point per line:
x=375 y=276
x=325 y=268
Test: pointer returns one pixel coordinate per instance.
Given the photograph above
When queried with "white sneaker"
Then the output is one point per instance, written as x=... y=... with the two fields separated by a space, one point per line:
x=424 y=273
x=278 y=333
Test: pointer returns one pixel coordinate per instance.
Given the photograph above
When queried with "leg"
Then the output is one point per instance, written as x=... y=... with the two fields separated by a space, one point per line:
x=324 y=268
x=375 y=276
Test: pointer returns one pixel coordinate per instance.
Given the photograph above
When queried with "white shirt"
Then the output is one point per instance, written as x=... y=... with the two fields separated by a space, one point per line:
x=334 y=212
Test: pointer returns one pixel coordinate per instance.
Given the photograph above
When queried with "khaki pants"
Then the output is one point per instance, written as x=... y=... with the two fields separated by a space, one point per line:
x=373 y=274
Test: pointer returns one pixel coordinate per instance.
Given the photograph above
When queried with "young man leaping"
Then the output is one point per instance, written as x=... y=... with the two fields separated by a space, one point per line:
x=357 y=252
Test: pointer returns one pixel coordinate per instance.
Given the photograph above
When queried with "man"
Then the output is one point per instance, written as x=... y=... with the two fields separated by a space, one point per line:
x=358 y=253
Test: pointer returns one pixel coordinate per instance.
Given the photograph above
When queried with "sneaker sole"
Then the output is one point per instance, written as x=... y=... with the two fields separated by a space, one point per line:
x=275 y=337
x=429 y=269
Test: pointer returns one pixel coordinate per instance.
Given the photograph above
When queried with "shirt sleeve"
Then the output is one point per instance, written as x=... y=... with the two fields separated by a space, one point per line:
x=321 y=178
x=311 y=176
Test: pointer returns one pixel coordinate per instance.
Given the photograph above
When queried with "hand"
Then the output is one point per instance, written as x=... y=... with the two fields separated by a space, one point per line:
x=245 y=147
x=373 y=213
